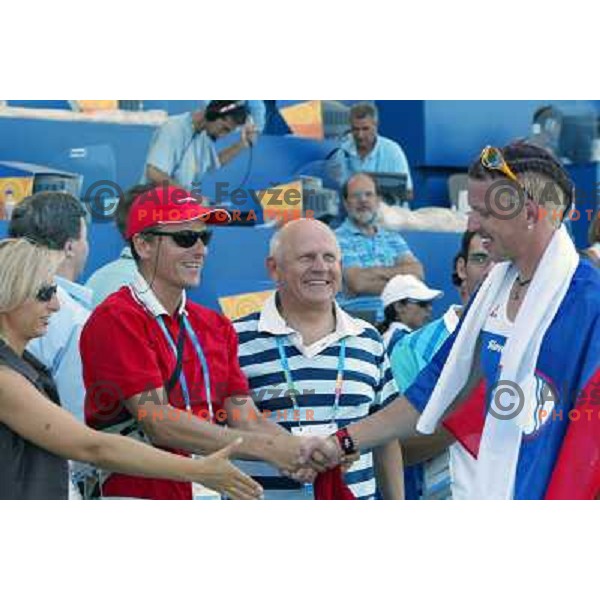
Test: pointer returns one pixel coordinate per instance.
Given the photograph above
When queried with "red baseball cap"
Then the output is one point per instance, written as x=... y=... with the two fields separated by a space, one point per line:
x=164 y=205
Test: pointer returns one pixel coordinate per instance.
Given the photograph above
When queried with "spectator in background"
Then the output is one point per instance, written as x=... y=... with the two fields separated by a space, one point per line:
x=412 y=354
x=109 y=278
x=415 y=350
x=546 y=129
x=592 y=252
x=371 y=256
x=407 y=307
x=183 y=148
x=56 y=220
x=257 y=112
x=364 y=150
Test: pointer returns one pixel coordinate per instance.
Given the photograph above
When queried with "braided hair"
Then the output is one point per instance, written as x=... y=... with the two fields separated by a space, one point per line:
x=526 y=158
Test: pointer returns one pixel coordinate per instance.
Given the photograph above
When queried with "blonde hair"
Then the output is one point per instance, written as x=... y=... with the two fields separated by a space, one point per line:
x=24 y=268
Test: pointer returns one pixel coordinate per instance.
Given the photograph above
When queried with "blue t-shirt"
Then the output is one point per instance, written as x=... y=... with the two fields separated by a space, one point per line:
x=380 y=250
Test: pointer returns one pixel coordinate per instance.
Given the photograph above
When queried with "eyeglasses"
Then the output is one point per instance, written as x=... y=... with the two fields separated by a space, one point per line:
x=419 y=303
x=479 y=258
x=186 y=238
x=46 y=293
x=493 y=160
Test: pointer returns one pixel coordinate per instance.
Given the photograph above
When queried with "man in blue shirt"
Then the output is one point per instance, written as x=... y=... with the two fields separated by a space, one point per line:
x=442 y=476
x=371 y=255
x=183 y=148
x=414 y=351
x=364 y=150
x=122 y=271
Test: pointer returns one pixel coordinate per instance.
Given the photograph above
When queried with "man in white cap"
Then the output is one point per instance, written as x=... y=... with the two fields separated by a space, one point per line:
x=407 y=307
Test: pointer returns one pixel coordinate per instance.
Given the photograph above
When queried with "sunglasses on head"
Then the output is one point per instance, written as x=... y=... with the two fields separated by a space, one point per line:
x=186 y=238
x=493 y=160
x=46 y=293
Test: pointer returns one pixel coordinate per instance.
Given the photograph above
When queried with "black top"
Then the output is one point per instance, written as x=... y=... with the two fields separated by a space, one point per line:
x=28 y=472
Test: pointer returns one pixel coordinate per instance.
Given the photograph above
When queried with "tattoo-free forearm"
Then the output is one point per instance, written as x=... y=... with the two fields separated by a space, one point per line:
x=389 y=470
x=173 y=428
x=398 y=420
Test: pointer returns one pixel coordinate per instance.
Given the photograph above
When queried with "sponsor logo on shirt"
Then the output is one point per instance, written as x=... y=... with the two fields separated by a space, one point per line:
x=494 y=346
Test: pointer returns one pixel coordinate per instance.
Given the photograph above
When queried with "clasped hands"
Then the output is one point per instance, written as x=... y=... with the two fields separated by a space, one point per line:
x=303 y=457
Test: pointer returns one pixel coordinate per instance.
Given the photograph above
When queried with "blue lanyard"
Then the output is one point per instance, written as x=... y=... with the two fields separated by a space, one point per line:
x=293 y=392
x=203 y=362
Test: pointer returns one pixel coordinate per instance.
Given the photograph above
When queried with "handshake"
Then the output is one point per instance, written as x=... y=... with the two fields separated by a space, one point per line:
x=303 y=457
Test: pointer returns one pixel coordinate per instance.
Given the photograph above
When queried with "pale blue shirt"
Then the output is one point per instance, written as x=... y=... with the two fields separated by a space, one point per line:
x=258 y=112
x=386 y=157
x=183 y=154
x=112 y=276
x=58 y=349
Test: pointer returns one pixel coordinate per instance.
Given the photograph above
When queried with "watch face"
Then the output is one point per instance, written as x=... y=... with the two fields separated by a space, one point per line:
x=348 y=445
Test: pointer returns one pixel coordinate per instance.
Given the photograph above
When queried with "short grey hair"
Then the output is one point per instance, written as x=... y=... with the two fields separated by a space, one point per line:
x=275 y=245
x=363 y=110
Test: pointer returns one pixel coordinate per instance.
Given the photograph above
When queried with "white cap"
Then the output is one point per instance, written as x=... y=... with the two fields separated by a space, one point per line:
x=402 y=287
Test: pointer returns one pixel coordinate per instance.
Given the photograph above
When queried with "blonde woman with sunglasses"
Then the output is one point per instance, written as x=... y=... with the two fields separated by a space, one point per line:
x=36 y=435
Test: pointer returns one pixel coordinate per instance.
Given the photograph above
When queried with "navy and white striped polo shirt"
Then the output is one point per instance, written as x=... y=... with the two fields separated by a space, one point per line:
x=367 y=383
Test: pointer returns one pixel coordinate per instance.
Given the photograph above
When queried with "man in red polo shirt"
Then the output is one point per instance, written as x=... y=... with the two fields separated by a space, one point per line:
x=165 y=370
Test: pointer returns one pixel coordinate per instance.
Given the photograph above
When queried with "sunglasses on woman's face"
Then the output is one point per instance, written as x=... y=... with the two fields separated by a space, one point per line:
x=186 y=238
x=46 y=293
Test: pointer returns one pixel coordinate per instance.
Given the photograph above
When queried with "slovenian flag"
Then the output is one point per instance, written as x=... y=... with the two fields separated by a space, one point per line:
x=559 y=456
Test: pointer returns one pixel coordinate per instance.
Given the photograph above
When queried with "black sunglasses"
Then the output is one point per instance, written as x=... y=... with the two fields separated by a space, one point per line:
x=46 y=293
x=186 y=238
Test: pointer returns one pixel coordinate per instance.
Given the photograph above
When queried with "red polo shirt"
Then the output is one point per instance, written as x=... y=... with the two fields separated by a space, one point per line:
x=124 y=352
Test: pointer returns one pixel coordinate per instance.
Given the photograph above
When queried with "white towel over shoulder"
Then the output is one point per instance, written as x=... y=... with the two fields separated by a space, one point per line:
x=501 y=439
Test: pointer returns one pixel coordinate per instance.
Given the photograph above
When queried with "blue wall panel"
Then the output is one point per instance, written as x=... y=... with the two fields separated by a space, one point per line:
x=41 y=141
